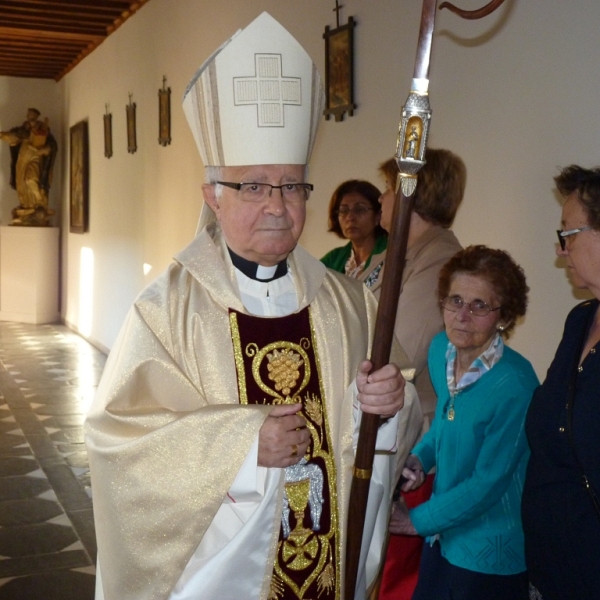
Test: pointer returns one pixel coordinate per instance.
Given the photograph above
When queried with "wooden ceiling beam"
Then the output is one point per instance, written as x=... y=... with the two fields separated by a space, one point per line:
x=23 y=59
x=38 y=47
x=46 y=67
x=71 y=5
x=41 y=19
x=48 y=38
x=16 y=32
x=58 y=26
x=36 y=54
x=24 y=45
x=31 y=71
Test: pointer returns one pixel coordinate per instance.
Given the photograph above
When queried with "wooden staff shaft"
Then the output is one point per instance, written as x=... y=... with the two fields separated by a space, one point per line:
x=382 y=345
x=384 y=328
x=390 y=290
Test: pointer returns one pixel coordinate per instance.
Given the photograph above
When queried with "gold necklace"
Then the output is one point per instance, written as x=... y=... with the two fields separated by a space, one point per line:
x=451 y=407
x=453 y=395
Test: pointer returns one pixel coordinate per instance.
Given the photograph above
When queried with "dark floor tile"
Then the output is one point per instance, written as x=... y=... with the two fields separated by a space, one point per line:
x=31 y=540
x=43 y=448
x=39 y=565
x=85 y=479
x=83 y=523
x=6 y=426
x=11 y=440
x=13 y=488
x=15 y=451
x=48 y=375
x=28 y=511
x=78 y=459
x=17 y=466
x=68 y=489
x=27 y=421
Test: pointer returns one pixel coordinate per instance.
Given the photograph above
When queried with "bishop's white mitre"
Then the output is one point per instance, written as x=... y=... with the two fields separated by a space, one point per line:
x=256 y=100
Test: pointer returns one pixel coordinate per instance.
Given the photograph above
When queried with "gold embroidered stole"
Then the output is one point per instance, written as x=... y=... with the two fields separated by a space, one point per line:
x=277 y=362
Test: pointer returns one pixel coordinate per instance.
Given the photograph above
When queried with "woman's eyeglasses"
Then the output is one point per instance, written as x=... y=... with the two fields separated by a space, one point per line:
x=358 y=210
x=562 y=234
x=478 y=307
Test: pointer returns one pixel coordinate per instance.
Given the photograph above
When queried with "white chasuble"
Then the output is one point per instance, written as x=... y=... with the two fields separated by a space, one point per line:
x=175 y=485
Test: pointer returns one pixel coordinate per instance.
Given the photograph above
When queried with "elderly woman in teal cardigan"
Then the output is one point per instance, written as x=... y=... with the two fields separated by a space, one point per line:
x=477 y=441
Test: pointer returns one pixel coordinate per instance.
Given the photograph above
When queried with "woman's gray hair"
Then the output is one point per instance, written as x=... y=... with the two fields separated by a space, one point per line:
x=586 y=183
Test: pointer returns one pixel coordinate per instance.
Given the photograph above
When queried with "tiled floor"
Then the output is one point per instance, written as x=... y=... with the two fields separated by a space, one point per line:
x=48 y=376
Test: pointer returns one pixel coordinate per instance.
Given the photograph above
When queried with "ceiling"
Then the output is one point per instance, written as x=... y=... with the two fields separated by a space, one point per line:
x=47 y=38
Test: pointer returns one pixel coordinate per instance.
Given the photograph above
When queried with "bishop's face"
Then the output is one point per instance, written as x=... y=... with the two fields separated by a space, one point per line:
x=264 y=232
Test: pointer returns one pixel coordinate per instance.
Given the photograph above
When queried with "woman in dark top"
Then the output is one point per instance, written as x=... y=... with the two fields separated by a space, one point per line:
x=561 y=514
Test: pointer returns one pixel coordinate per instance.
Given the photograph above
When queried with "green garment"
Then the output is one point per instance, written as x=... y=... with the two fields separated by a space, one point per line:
x=336 y=259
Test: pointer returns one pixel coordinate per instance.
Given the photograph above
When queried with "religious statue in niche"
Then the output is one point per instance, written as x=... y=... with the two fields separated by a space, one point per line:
x=32 y=152
x=411 y=143
x=339 y=68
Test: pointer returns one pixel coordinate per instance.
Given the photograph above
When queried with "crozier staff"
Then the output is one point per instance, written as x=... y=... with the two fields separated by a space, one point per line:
x=221 y=437
x=430 y=245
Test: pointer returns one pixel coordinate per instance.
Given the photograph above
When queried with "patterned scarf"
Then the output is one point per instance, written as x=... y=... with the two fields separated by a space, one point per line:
x=372 y=278
x=482 y=364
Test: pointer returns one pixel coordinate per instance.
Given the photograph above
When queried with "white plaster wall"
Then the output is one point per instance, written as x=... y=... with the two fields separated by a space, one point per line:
x=516 y=95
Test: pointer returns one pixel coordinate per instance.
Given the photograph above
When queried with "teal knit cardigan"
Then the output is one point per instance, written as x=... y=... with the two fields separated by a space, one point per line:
x=480 y=459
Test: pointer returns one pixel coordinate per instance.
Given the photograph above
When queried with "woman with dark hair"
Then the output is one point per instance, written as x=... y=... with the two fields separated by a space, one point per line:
x=477 y=440
x=561 y=498
x=354 y=214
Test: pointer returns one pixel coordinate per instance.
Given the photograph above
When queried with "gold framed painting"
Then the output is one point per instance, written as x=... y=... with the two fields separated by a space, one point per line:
x=79 y=178
x=164 y=115
x=131 y=129
x=339 y=71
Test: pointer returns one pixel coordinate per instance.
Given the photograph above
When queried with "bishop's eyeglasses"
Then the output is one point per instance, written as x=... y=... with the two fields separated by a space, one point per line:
x=257 y=192
x=478 y=307
x=562 y=234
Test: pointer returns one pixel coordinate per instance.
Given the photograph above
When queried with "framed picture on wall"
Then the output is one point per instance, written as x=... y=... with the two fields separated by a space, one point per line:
x=164 y=115
x=79 y=180
x=339 y=71
x=131 y=132
x=108 y=146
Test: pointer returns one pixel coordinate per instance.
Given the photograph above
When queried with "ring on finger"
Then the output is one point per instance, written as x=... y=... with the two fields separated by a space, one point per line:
x=294 y=450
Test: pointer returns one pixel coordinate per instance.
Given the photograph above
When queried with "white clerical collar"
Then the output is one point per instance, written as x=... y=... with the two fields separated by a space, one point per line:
x=263 y=273
x=255 y=271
